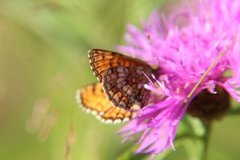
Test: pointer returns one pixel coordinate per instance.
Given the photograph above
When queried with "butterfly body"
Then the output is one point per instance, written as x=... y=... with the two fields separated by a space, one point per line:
x=121 y=84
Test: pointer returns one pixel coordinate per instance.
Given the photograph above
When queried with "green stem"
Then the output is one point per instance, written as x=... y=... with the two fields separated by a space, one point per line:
x=208 y=126
x=235 y=111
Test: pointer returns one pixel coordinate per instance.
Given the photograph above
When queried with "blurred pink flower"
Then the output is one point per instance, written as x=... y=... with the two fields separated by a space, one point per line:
x=183 y=44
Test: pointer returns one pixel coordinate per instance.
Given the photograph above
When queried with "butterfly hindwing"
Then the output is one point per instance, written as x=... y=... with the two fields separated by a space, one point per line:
x=122 y=78
x=93 y=99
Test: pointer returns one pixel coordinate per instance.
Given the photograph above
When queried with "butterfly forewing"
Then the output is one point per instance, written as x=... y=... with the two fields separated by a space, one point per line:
x=122 y=78
x=93 y=99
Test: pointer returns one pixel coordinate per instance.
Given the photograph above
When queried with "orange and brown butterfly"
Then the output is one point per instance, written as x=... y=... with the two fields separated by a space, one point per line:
x=120 y=91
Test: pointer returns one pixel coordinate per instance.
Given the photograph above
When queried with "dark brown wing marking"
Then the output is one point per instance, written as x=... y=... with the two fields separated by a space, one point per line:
x=93 y=99
x=122 y=78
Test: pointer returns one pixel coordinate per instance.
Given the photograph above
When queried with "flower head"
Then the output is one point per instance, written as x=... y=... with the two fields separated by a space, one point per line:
x=184 y=45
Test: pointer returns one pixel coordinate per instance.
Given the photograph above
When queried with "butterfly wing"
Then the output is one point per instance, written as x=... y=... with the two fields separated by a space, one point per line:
x=93 y=99
x=122 y=78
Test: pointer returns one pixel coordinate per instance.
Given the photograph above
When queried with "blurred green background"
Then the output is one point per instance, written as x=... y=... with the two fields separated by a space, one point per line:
x=43 y=60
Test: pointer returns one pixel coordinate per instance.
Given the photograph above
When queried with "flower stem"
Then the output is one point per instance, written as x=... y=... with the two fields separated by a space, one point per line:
x=205 y=139
x=234 y=112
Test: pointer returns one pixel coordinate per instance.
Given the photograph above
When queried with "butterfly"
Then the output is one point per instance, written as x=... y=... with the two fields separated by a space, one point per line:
x=120 y=91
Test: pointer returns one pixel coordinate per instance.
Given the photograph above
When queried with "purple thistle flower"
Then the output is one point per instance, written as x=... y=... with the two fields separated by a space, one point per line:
x=184 y=44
